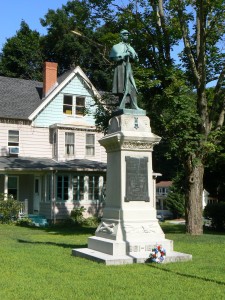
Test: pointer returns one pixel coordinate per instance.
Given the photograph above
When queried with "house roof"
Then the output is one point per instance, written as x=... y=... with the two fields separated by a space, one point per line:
x=19 y=97
x=22 y=99
x=164 y=184
x=46 y=164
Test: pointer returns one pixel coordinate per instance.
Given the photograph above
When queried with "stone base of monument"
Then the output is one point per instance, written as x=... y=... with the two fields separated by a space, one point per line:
x=129 y=228
x=107 y=259
x=127 y=242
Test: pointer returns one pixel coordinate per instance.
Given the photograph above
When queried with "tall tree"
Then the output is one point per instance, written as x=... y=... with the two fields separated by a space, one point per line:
x=72 y=40
x=21 y=55
x=204 y=63
x=176 y=96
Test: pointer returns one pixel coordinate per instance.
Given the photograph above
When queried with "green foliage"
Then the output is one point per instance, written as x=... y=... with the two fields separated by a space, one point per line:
x=216 y=212
x=22 y=55
x=176 y=203
x=24 y=222
x=76 y=215
x=179 y=117
x=83 y=49
x=176 y=198
x=92 y=221
x=104 y=109
x=9 y=208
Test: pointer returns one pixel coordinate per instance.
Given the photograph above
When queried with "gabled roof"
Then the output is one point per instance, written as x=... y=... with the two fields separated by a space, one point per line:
x=22 y=99
x=62 y=81
x=19 y=97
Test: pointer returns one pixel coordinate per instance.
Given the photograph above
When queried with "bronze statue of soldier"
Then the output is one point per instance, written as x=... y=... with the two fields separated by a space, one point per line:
x=123 y=82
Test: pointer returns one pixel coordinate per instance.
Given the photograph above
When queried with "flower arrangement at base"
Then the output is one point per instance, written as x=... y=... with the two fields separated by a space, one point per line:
x=158 y=254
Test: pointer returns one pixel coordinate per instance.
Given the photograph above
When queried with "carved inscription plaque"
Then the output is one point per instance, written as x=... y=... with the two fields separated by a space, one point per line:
x=136 y=179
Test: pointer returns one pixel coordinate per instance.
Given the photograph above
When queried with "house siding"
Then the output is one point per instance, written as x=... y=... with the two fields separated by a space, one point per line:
x=37 y=142
x=33 y=142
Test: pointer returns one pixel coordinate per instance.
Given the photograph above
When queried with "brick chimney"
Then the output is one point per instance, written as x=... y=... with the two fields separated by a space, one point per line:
x=50 y=77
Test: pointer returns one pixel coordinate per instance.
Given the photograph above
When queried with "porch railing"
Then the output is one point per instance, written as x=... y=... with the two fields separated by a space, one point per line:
x=24 y=208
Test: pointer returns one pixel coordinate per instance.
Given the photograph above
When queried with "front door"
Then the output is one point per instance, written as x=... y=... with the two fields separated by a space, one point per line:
x=37 y=194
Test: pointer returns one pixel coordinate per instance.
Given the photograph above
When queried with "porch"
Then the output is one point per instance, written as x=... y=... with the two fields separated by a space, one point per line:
x=53 y=189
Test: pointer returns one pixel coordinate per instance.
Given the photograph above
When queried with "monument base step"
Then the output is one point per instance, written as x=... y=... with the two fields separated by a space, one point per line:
x=107 y=259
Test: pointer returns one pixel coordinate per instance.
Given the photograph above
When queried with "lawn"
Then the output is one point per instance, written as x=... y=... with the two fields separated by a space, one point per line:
x=37 y=264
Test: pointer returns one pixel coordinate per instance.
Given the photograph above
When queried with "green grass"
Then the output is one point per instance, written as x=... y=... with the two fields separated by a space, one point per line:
x=37 y=264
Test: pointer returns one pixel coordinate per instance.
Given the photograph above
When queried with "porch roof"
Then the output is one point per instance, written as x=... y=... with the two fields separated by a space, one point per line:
x=46 y=164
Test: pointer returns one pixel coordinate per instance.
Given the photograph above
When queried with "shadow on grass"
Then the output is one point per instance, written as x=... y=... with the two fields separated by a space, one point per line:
x=173 y=228
x=213 y=231
x=187 y=275
x=63 y=245
x=78 y=230
x=61 y=230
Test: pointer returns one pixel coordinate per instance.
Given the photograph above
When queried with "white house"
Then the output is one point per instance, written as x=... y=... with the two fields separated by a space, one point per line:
x=162 y=191
x=50 y=153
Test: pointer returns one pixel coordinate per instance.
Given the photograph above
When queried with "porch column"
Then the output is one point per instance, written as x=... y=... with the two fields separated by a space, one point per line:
x=5 y=186
x=53 y=196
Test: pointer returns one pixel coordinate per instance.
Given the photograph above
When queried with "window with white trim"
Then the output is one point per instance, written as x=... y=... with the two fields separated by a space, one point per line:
x=62 y=187
x=13 y=141
x=69 y=143
x=13 y=187
x=160 y=191
x=93 y=188
x=78 y=187
x=68 y=104
x=13 y=138
x=48 y=182
x=55 y=144
x=90 y=144
x=80 y=106
x=74 y=105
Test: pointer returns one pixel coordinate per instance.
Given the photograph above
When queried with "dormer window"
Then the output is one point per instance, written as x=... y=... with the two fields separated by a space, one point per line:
x=68 y=104
x=80 y=106
x=73 y=105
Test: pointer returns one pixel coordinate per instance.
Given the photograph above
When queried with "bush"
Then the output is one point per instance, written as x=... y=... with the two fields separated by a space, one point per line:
x=216 y=212
x=25 y=222
x=92 y=221
x=77 y=215
x=9 y=208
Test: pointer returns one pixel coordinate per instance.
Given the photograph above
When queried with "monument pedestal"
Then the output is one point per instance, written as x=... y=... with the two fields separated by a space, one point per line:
x=129 y=228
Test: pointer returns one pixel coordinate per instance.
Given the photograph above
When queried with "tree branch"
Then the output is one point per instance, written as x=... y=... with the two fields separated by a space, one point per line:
x=165 y=31
x=187 y=43
x=220 y=121
x=217 y=96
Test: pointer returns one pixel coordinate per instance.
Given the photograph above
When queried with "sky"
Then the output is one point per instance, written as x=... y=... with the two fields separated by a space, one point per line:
x=14 y=11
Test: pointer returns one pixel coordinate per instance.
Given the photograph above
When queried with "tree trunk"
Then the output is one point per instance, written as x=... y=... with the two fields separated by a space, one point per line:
x=194 y=192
